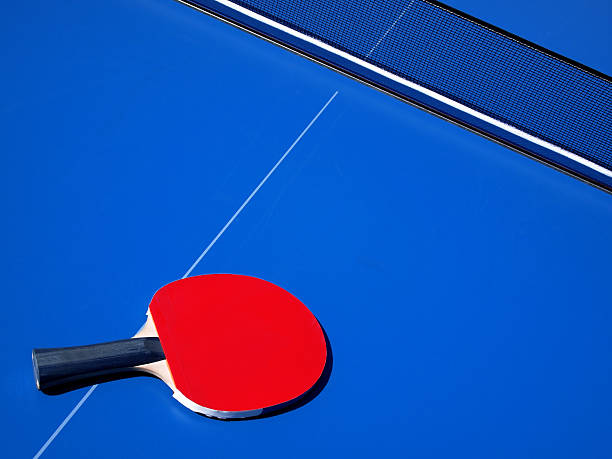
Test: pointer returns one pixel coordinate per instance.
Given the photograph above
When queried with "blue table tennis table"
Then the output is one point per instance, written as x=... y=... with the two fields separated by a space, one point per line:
x=465 y=288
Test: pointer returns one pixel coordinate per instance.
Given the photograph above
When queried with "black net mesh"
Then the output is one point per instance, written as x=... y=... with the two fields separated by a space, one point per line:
x=464 y=60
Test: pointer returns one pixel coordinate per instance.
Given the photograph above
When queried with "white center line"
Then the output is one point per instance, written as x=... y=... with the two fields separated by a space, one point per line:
x=206 y=250
x=390 y=28
x=227 y=225
x=264 y=180
x=64 y=422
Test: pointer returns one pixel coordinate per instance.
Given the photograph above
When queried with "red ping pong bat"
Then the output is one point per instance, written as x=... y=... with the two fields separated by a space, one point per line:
x=229 y=346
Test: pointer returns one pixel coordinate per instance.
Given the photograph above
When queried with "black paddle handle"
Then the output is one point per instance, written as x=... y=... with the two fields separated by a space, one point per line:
x=68 y=365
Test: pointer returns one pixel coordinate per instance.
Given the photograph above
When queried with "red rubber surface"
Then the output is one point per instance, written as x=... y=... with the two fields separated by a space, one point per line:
x=236 y=343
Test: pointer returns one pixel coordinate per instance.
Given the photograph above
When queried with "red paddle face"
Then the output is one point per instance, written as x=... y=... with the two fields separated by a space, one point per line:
x=237 y=343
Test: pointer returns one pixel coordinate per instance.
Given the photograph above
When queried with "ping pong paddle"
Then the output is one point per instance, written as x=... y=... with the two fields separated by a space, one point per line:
x=229 y=346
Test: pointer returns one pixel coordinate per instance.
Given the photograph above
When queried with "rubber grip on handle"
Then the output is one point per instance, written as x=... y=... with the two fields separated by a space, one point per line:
x=59 y=366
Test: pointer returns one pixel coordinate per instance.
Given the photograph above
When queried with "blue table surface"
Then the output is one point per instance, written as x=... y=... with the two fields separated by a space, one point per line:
x=465 y=289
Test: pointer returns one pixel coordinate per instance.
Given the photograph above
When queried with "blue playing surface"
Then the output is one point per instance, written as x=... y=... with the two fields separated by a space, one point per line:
x=465 y=289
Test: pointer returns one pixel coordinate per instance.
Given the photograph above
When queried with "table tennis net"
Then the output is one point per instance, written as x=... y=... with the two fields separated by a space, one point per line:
x=492 y=72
